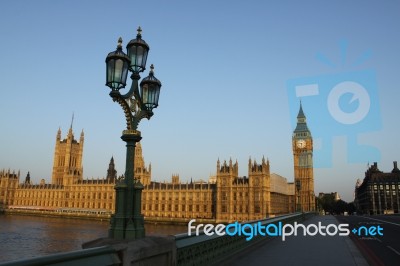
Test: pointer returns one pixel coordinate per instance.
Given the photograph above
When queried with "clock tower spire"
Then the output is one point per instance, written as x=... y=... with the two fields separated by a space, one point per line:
x=302 y=145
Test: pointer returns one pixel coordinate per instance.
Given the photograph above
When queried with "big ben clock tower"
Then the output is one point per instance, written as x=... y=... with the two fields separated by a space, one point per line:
x=302 y=145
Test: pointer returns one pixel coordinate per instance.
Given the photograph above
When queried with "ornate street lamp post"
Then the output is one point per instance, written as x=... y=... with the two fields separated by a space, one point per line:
x=127 y=222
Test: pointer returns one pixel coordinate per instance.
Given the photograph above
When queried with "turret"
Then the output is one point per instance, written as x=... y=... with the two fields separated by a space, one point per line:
x=58 y=137
x=68 y=154
x=395 y=169
x=82 y=138
x=258 y=168
x=111 y=172
x=142 y=173
x=175 y=179
x=27 y=179
x=232 y=168
x=70 y=134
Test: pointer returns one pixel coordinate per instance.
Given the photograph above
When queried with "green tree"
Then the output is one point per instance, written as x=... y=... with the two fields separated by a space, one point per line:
x=327 y=202
x=351 y=208
x=339 y=207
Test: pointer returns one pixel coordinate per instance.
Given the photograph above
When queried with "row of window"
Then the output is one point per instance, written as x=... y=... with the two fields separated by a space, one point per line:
x=387 y=192
x=180 y=215
x=241 y=195
x=35 y=194
x=176 y=207
x=387 y=186
x=87 y=195
x=240 y=208
x=52 y=194
x=387 y=205
x=93 y=205
x=10 y=185
x=96 y=188
x=175 y=195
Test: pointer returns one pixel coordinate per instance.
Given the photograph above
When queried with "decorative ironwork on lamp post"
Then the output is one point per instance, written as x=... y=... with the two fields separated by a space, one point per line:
x=137 y=103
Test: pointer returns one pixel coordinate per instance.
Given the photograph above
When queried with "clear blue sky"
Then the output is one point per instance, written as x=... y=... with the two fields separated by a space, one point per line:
x=224 y=66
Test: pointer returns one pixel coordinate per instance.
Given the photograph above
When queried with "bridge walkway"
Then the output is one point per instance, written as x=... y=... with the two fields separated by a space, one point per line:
x=303 y=250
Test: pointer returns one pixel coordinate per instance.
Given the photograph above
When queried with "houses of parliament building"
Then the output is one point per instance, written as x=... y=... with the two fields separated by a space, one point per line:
x=226 y=197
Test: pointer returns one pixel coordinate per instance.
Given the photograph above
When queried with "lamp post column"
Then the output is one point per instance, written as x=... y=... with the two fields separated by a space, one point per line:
x=137 y=215
x=131 y=137
x=117 y=223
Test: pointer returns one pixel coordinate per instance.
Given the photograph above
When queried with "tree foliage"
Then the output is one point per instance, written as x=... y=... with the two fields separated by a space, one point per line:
x=328 y=203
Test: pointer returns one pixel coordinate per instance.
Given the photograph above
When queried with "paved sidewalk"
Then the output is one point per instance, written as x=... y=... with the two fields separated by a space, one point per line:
x=303 y=250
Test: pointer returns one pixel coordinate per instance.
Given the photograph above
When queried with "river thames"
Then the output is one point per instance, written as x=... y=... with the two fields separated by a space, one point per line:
x=24 y=237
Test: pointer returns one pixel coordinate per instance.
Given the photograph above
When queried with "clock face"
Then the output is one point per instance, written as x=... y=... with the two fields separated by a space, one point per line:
x=301 y=143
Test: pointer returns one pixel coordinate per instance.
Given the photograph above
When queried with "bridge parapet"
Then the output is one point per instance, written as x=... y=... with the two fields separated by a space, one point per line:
x=207 y=250
x=94 y=256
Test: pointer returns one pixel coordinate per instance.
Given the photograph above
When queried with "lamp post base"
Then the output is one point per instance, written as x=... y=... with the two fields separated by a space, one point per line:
x=128 y=223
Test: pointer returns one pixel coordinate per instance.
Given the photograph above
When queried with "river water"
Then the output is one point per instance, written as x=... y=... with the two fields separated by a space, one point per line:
x=31 y=236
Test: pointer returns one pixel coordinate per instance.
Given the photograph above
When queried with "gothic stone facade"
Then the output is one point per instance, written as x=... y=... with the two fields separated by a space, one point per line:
x=8 y=185
x=68 y=191
x=229 y=198
x=302 y=145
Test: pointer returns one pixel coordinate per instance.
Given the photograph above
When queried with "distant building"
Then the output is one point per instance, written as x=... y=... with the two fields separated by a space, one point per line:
x=68 y=191
x=8 y=184
x=226 y=197
x=230 y=198
x=378 y=193
x=334 y=195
